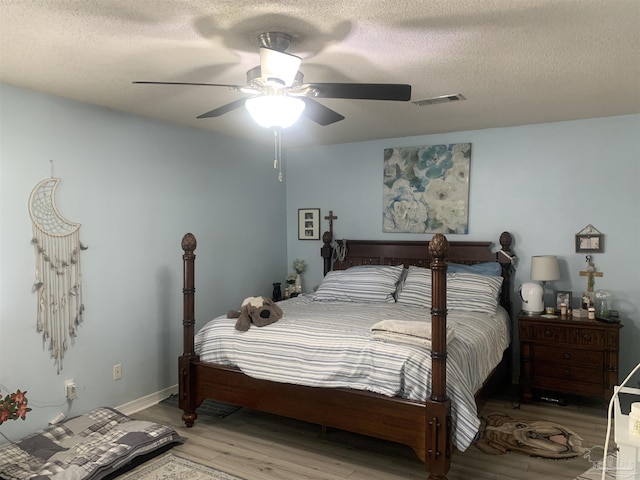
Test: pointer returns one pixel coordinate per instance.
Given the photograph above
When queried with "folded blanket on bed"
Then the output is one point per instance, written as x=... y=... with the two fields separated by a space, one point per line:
x=403 y=331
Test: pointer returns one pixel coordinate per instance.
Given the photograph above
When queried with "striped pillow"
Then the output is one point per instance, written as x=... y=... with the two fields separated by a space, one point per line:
x=465 y=291
x=367 y=283
x=416 y=289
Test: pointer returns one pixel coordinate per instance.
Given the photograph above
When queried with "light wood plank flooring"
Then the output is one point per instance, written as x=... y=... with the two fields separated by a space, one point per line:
x=259 y=446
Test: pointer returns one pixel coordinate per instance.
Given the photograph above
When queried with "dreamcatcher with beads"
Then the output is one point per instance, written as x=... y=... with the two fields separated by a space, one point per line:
x=58 y=274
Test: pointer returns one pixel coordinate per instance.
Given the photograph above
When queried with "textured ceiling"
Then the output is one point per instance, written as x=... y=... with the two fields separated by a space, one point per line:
x=516 y=62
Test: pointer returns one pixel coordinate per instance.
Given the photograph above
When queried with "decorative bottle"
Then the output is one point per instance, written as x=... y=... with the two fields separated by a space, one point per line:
x=276 y=296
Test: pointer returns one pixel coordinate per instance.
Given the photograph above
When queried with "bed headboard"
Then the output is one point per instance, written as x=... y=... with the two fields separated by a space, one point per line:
x=398 y=252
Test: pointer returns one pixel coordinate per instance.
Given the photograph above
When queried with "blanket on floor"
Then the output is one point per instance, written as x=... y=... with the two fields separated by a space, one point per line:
x=87 y=447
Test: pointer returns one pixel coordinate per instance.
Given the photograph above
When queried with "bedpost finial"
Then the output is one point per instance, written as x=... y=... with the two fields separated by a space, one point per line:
x=505 y=241
x=189 y=243
x=327 y=237
x=439 y=246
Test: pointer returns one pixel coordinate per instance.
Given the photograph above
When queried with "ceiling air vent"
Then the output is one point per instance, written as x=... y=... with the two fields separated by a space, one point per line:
x=442 y=99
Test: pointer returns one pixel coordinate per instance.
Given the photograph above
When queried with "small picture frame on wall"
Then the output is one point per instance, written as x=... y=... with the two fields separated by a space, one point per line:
x=589 y=240
x=308 y=224
x=563 y=296
x=592 y=243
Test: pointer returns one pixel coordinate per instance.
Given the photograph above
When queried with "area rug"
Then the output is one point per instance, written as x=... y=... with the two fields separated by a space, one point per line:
x=500 y=434
x=208 y=407
x=172 y=467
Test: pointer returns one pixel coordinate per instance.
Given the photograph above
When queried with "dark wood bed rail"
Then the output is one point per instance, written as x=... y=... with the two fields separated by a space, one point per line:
x=425 y=426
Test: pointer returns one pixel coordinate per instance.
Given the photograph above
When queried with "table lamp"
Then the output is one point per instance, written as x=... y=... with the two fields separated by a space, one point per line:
x=544 y=268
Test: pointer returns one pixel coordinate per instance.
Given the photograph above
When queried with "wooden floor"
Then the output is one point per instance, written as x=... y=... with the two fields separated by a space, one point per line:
x=258 y=446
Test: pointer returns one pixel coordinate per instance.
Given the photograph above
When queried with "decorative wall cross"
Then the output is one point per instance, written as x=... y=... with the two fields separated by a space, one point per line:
x=331 y=218
x=590 y=273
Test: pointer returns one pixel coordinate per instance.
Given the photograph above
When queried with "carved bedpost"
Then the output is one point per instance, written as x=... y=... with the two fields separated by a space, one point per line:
x=438 y=406
x=186 y=387
x=326 y=251
x=505 y=257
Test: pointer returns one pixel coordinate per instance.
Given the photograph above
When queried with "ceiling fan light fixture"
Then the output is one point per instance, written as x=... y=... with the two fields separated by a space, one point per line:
x=279 y=65
x=272 y=111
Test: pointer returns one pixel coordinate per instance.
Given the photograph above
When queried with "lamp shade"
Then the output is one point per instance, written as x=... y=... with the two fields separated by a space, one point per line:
x=275 y=110
x=545 y=268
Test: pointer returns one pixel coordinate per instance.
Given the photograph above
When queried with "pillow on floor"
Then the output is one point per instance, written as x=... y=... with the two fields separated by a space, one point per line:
x=87 y=447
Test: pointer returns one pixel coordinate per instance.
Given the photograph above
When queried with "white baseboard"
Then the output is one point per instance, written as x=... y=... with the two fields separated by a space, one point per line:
x=147 y=401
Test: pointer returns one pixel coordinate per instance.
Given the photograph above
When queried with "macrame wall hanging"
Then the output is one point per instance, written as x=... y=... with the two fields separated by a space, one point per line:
x=58 y=282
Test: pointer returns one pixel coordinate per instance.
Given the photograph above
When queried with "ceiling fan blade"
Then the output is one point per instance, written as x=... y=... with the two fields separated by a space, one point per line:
x=319 y=113
x=363 y=91
x=236 y=87
x=278 y=65
x=216 y=112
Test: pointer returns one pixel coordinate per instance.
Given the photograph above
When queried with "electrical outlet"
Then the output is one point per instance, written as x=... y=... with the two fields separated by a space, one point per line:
x=117 y=371
x=70 y=389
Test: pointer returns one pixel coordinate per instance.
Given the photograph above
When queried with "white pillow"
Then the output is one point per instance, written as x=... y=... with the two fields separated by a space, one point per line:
x=366 y=283
x=465 y=291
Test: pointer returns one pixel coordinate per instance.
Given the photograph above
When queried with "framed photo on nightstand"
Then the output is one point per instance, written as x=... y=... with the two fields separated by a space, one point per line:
x=563 y=296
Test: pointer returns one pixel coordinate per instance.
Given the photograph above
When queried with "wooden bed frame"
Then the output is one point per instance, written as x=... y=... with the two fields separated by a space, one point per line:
x=424 y=426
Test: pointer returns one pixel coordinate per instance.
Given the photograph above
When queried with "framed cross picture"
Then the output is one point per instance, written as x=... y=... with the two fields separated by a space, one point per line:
x=308 y=224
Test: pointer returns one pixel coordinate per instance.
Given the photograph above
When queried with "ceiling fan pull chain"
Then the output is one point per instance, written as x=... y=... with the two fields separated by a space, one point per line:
x=277 y=162
x=275 y=153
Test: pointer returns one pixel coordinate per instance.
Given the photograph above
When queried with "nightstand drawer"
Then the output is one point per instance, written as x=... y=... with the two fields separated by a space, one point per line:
x=569 y=372
x=568 y=386
x=563 y=356
x=547 y=333
x=586 y=336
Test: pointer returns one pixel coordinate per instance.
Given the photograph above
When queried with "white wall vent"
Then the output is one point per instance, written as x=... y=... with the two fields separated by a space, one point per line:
x=442 y=99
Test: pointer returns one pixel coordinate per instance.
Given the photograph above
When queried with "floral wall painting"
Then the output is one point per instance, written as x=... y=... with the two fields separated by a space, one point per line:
x=426 y=189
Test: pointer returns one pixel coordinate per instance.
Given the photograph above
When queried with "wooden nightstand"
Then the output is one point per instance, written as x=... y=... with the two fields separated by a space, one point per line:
x=567 y=355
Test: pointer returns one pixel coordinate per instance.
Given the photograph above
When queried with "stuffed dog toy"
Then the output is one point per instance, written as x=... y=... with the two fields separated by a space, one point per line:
x=260 y=311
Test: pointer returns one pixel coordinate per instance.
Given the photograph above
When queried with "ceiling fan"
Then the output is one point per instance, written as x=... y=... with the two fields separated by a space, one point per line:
x=277 y=86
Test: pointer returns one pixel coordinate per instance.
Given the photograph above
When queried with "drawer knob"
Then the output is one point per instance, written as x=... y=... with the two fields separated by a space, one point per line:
x=586 y=337
x=567 y=373
x=548 y=333
x=566 y=356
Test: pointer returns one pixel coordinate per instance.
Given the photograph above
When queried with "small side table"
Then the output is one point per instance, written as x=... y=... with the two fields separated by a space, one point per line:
x=568 y=355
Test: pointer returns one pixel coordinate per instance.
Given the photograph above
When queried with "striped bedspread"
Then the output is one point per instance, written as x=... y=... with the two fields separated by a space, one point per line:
x=329 y=344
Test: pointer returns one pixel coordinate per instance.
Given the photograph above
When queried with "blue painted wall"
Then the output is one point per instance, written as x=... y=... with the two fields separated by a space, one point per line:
x=136 y=186
x=543 y=183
